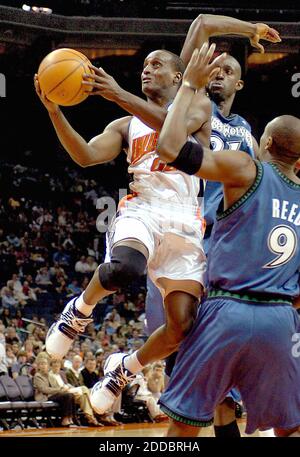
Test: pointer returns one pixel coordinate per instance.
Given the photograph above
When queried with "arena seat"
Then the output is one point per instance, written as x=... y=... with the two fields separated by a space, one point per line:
x=6 y=411
x=13 y=395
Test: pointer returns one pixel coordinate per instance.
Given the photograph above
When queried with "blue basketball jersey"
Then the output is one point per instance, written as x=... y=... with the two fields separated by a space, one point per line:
x=232 y=132
x=255 y=243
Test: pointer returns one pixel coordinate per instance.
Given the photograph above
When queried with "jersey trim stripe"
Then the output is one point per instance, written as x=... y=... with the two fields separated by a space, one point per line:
x=185 y=420
x=288 y=181
x=250 y=297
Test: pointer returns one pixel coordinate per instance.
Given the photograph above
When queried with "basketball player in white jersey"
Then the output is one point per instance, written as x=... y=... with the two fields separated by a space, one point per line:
x=159 y=227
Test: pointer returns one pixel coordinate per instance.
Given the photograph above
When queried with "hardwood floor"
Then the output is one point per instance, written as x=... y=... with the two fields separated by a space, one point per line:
x=126 y=430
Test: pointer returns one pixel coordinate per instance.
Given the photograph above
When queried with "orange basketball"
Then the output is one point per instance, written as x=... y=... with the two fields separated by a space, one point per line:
x=60 y=76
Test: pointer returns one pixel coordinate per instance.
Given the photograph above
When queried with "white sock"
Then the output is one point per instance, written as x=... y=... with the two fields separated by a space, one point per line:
x=132 y=363
x=83 y=307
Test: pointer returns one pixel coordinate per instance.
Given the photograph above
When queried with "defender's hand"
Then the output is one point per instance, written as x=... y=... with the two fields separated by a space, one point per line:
x=200 y=70
x=50 y=106
x=264 y=32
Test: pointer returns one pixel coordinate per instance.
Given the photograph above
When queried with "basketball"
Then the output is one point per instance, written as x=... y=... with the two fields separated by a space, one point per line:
x=60 y=76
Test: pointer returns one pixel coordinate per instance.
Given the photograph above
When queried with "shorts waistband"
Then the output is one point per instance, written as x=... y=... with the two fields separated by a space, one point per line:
x=252 y=297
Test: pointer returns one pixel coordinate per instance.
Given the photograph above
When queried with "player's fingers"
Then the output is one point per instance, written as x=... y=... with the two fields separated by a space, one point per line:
x=209 y=54
x=95 y=86
x=273 y=35
x=218 y=61
x=203 y=50
x=89 y=83
x=213 y=73
x=256 y=44
x=260 y=48
x=37 y=86
x=91 y=76
x=194 y=57
x=95 y=69
x=92 y=92
x=98 y=71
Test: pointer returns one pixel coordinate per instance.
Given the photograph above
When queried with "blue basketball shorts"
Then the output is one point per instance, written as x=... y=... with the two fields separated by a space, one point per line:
x=234 y=344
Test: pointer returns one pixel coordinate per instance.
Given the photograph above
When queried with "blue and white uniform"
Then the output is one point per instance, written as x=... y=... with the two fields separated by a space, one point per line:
x=246 y=333
x=227 y=132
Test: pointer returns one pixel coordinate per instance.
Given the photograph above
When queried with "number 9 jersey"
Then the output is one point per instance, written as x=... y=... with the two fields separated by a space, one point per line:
x=265 y=226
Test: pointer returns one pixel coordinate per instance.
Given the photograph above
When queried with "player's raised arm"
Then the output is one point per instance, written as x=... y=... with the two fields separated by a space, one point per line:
x=103 y=148
x=232 y=168
x=209 y=25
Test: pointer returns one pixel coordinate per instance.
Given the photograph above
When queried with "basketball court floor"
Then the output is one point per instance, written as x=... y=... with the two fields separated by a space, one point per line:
x=126 y=430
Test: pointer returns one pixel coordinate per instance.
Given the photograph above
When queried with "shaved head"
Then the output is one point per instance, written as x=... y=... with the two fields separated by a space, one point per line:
x=230 y=60
x=285 y=133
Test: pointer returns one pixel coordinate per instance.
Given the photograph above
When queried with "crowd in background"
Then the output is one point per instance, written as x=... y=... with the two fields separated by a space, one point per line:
x=49 y=249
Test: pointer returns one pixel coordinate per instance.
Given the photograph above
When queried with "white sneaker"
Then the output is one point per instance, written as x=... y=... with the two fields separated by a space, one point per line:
x=62 y=333
x=107 y=390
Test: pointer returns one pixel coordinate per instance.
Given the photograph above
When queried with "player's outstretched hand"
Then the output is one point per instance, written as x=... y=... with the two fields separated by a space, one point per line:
x=51 y=107
x=201 y=69
x=102 y=83
x=264 y=32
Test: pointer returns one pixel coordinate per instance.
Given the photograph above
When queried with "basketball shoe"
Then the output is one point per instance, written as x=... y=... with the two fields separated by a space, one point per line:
x=62 y=333
x=107 y=390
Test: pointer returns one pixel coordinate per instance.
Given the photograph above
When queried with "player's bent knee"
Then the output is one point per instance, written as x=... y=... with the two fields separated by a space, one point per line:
x=177 y=331
x=126 y=265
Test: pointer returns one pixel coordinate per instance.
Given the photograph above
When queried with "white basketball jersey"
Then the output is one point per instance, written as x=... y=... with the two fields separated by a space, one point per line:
x=153 y=178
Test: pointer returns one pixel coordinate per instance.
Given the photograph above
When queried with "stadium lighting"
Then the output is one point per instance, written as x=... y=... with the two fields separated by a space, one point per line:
x=37 y=9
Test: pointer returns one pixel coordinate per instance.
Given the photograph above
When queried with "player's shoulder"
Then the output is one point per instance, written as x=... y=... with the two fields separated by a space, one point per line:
x=120 y=125
x=240 y=120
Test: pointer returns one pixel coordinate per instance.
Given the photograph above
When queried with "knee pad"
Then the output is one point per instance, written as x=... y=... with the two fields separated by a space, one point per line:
x=126 y=265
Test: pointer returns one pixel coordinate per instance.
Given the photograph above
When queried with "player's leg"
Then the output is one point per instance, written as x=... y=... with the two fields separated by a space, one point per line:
x=181 y=309
x=155 y=318
x=128 y=252
x=225 y=424
x=260 y=382
x=185 y=260
x=204 y=372
x=178 y=429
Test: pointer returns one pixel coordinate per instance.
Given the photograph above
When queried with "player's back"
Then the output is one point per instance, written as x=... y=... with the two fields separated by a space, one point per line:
x=255 y=243
x=154 y=179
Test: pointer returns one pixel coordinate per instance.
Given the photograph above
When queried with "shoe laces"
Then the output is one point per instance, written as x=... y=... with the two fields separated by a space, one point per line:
x=119 y=379
x=75 y=322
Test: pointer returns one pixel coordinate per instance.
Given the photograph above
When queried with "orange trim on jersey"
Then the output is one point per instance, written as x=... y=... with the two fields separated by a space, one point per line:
x=159 y=165
x=124 y=200
x=202 y=220
x=143 y=145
